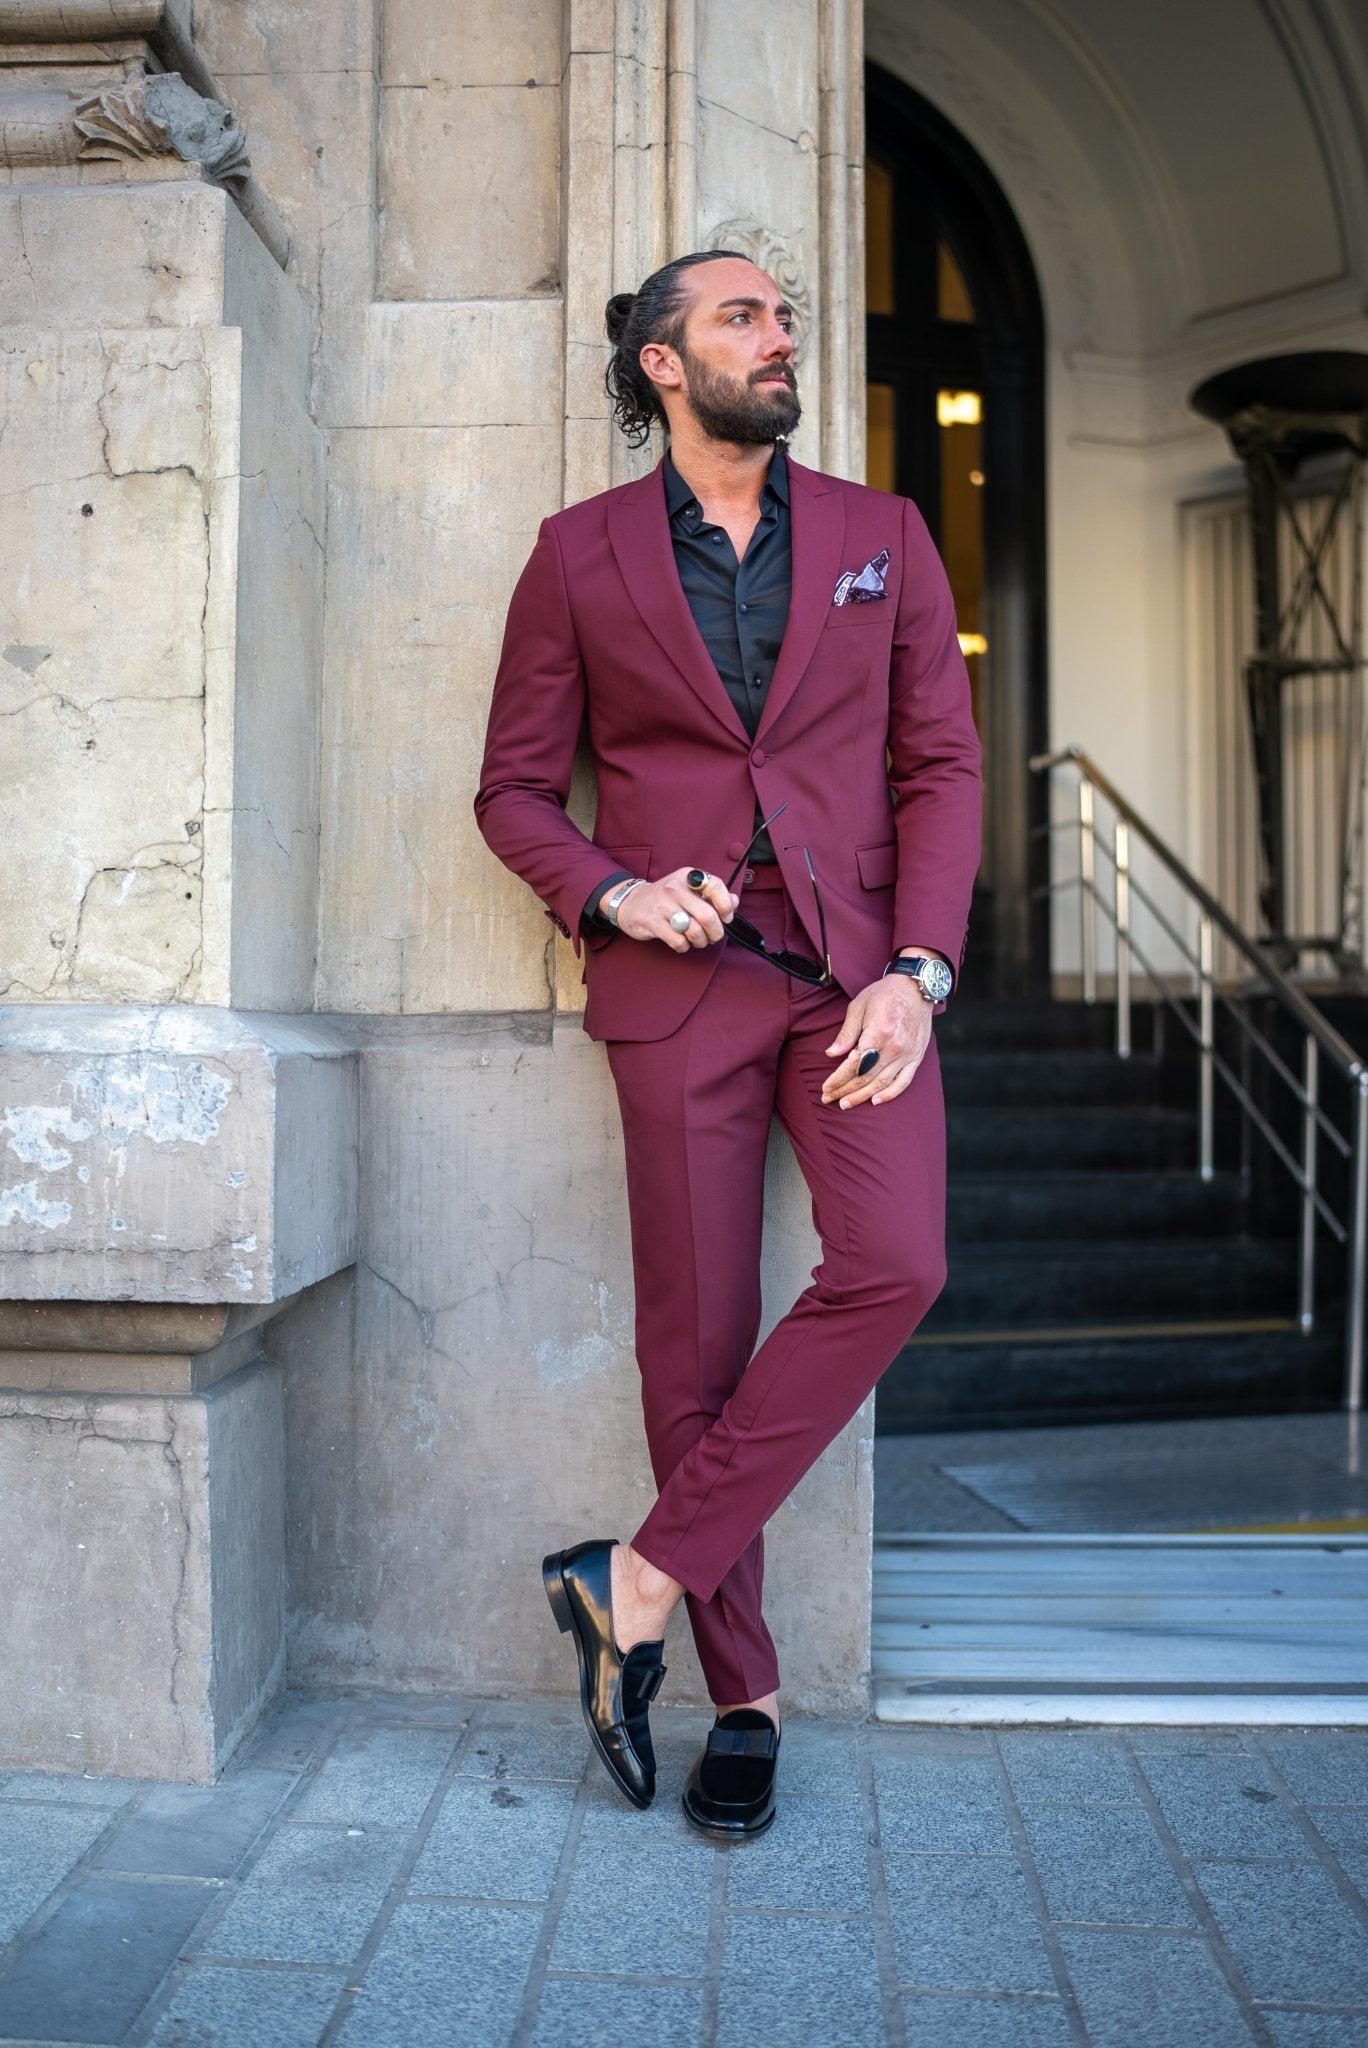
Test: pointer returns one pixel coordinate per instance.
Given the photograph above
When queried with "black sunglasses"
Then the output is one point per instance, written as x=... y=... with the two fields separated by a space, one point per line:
x=745 y=934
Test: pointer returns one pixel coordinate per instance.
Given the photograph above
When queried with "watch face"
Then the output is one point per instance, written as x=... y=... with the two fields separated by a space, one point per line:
x=937 y=980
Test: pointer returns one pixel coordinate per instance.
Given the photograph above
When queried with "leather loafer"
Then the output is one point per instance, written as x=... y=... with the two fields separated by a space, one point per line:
x=616 y=1686
x=730 y=1791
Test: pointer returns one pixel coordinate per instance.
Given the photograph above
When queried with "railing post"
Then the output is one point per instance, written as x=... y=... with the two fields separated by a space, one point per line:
x=1206 y=1073
x=1306 y=1258
x=1123 y=958
x=1358 y=1223
x=1088 y=894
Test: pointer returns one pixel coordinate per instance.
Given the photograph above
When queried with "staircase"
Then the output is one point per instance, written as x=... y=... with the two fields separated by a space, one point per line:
x=1092 y=1274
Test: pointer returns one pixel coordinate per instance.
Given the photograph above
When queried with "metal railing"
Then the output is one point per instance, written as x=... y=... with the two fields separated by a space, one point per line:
x=1319 y=1037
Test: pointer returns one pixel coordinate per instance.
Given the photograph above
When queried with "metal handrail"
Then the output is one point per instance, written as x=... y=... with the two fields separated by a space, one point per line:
x=1318 y=1035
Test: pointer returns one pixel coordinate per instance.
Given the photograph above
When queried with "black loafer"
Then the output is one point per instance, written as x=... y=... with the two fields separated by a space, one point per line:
x=616 y=1687
x=730 y=1792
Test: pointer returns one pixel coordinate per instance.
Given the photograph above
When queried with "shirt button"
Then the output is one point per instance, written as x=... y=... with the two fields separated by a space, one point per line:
x=740 y=607
x=717 y=540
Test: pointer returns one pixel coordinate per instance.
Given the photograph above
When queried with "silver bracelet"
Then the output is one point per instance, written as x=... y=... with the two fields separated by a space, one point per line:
x=617 y=896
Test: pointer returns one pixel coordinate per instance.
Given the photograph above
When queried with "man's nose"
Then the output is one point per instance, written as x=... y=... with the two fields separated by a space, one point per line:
x=779 y=343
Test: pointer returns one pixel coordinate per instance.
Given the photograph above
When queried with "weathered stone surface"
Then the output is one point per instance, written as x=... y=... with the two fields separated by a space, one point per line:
x=175 y=1155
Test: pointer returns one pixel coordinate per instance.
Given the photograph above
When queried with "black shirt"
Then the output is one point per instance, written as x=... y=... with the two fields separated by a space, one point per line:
x=740 y=608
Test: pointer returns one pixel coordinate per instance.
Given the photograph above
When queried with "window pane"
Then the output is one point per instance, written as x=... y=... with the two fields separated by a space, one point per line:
x=959 y=415
x=878 y=238
x=952 y=293
x=881 y=463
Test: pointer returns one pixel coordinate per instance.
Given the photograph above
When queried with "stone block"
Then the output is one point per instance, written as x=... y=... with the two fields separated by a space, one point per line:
x=436 y=1960
x=964 y=1923
x=986 y=2023
x=1291 y=1931
x=666 y=2015
x=193 y=1830
x=495 y=1841
x=39 y=1844
x=794 y=1979
x=1174 y=1983
x=95 y=1962
x=1105 y=1863
x=310 y=1897
x=379 y=1775
x=516 y=1740
x=1225 y=1806
x=818 y=1850
x=147 y=1534
x=1077 y=1766
x=176 y=1155
x=217 y=2004
x=638 y=1898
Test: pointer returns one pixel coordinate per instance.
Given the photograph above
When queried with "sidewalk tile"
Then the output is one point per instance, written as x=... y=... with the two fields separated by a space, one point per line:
x=1343 y=1828
x=639 y=1897
x=72 y=1789
x=310 y=1897
x=1225 y=1806
x=287 y=1736
x=1159 y=1989
x=230 y=2005
x=91 y=1968
x=816 y=1854
x=964 y=1923
x=1323 y=1768
x=656 y=2015
x=1290 y=1931
x=814 y=1759
x=1104 y=1863
x=986 y=2023
x=38 y=1846
x=196 y=1830
x=1052 y=1764
x=1317 y=2029
x=793 y=1983
x=528 y=1741
x=414 y=1709
x=384 y=1776
x=495 y=1841
x=443 y=1976
x=931 y=1804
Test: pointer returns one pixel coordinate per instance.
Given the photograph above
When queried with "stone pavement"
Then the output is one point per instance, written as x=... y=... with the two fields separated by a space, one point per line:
x=389 y=1872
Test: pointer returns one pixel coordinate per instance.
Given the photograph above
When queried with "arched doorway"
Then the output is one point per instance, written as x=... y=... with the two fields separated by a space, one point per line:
x=956 y=421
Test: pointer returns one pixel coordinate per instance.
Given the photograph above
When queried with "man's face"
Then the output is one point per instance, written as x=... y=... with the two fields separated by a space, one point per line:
x=737 y=354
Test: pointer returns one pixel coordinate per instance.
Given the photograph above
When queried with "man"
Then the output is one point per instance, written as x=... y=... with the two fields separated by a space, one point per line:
x=773 y=906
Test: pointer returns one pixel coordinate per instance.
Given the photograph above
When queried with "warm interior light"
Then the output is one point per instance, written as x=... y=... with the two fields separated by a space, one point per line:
x=972 y=643
x=958 y=408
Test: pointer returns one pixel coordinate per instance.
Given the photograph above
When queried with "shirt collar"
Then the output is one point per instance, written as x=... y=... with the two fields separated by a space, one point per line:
x=678 y=494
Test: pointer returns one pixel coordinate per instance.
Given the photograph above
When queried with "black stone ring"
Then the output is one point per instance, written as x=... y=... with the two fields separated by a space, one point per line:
x=695 y=879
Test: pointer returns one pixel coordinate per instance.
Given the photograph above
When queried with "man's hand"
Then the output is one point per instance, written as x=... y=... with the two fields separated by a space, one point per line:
x=891 y=1017
x=646 y=912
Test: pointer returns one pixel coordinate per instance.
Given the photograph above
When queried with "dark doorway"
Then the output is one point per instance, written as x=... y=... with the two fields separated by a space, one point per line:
x=956 y=422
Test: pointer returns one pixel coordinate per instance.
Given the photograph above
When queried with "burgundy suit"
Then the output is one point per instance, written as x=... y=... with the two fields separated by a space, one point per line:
x=867 y=738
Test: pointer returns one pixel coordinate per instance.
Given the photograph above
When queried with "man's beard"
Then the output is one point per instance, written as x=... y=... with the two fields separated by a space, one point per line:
x=751 y=412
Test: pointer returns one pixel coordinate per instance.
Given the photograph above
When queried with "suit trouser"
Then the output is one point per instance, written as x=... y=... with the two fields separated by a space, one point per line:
x=730 y=1434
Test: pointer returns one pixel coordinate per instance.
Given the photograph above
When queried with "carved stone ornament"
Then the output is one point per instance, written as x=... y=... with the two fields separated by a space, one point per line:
x=162 y=115
x=770 y=251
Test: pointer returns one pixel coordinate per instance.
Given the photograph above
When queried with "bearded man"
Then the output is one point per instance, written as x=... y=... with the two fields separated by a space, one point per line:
x=773 y=907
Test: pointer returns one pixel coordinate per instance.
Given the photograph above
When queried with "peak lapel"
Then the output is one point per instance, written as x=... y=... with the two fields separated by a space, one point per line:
x=818 y=522
x=639 y=535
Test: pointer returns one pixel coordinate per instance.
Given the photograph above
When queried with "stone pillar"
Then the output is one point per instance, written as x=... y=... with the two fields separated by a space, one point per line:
x=175 y=1161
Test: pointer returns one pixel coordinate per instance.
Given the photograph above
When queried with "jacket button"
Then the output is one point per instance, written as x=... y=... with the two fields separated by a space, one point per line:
x=736 y=849
x=759 y=758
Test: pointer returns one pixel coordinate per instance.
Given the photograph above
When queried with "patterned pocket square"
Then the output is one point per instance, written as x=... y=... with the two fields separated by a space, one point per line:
x=864 y=587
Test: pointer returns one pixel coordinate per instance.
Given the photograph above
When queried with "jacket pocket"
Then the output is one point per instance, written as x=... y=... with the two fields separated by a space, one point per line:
x=636 y=859
x=878 y=865
x=874 y=609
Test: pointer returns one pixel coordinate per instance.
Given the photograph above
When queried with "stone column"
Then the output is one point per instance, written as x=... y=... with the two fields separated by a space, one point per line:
x=175 y=1160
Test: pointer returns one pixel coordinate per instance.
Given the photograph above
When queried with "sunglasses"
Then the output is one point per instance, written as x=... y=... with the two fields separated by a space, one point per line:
x=743 y=933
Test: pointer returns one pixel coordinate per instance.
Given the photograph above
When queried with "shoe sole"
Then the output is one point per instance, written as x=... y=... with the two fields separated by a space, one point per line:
x=716 y=1833
x=564 y=1613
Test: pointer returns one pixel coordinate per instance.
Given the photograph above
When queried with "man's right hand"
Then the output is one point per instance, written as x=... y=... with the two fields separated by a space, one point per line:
x=646 y=912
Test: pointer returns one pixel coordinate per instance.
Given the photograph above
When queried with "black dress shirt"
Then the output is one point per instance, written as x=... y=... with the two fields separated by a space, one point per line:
x=740 y=608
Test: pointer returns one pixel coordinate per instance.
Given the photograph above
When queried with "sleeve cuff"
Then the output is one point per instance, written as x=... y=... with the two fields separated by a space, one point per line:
x=590 y=921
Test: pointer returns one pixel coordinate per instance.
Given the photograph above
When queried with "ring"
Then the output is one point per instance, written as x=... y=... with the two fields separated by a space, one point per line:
x=680 y=920
x=868 y=1062
x=696 y=879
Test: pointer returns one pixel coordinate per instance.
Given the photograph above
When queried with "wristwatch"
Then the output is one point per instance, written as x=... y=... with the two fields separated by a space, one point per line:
x=932 y=977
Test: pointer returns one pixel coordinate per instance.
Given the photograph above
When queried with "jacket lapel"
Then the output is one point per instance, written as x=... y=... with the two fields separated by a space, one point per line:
x=817 y=517
x=639 y=535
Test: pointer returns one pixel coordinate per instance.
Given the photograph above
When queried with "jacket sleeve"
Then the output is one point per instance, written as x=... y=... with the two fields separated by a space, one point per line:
x=935 y=764
x=535 y=718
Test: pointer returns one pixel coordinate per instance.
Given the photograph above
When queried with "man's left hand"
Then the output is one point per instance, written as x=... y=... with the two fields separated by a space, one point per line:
x=891 y=1017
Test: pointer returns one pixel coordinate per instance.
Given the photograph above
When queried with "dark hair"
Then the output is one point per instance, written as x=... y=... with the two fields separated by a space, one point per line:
x=656 y=312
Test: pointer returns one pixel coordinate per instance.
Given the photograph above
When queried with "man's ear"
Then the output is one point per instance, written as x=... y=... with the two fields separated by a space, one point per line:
x=662 y=366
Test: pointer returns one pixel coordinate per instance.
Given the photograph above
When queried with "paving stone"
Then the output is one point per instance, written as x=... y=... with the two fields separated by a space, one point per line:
x=1317 y=2029
x=986 y=2023
x=1324 y=1768
x=495 y=1841
x=196 y=1830
x=638 y=1899
x=1184 y=1741
x=92 y=1966
x=1290 y=1931
x=444 y=1977
x=965 y=1923
x=38 y=1846
x=1054 y=1765
x=1105 y=1863
x=414 y=1709
x=286 y=1737
x=1161 y=1989
x=1225 y=1806
x=229 y=2005
x=571 y=2015
x=795 y=1981
x=935 y=1804
x=310 y=1897
x=1341 y=1827
x=385 y=1776
x=820 y=1760
x=71 y=1789
x=895 y=1744
x=816 y=1854
x=515 y=1740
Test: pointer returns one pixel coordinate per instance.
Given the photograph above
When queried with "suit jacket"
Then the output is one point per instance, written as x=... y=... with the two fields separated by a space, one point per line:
x=866 y=734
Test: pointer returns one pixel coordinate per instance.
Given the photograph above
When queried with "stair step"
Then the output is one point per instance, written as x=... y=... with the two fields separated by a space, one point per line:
x=981 y=1023
x=1005 y=1079
x=988 y=1207
x=997 y=1285
x=1055 y=1137
x=1014 y=1380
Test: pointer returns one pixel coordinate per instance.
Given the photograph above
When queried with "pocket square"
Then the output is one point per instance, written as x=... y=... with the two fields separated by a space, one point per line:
x=864 y=586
